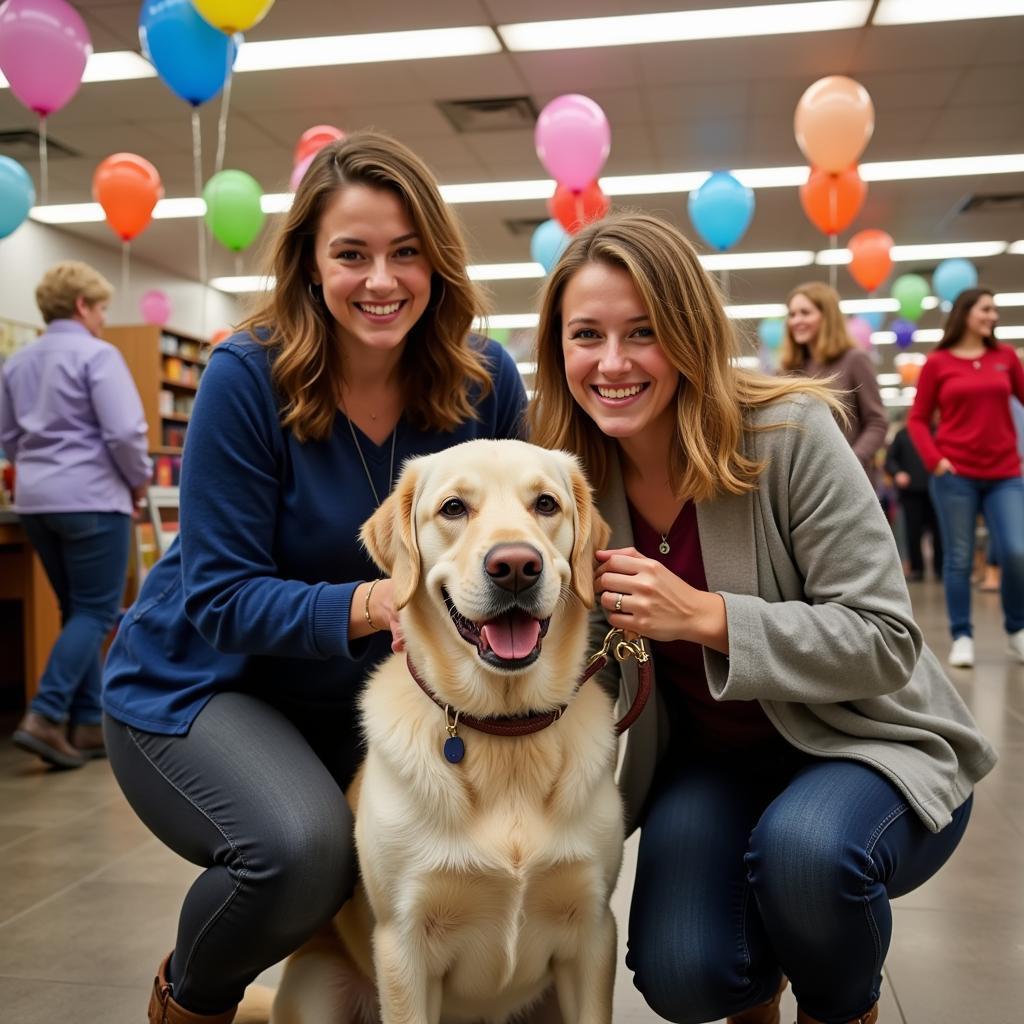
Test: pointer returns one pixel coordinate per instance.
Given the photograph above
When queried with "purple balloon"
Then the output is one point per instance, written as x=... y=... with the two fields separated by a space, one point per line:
x=904 y=331
x=155 y=306
x=44 y=46
x=299 y=171
x=573 y=140
x=860 y=330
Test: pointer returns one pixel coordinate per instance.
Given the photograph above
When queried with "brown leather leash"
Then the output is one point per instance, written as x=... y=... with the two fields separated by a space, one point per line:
x=523 y=725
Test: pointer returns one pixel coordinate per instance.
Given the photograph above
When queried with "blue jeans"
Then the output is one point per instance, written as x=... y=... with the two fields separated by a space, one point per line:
x=958 y=500
x=85 y=555
x=784 y=865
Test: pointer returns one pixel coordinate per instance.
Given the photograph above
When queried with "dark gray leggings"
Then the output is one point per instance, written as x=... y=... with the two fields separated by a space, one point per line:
x=255 y=795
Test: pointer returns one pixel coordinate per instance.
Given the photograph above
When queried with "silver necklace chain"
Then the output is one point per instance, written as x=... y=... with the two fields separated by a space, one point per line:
x=362 y=458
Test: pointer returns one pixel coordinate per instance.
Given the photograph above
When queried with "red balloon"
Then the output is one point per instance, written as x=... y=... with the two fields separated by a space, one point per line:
x=127 y=187
x=574 y=210
x=220 y=335
x=832 y=201
x=314 y=139
x=871 y=258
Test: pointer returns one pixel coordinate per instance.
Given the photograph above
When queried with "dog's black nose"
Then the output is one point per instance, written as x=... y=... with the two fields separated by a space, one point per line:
x=514 y=567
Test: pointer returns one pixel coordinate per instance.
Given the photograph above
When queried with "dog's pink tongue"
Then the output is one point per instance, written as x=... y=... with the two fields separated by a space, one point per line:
x=512 y=636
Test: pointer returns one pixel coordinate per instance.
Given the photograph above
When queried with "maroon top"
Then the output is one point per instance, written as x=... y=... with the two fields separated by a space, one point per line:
x=714 y=725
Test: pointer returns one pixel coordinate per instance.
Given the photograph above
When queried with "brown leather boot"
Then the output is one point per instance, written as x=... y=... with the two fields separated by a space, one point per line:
x=88 y=740
x=46 y=739
x=164 y=1010
x=865 y=1018
x=764 y=1013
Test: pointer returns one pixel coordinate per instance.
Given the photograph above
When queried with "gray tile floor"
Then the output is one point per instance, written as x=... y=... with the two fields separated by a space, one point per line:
x=88 y=899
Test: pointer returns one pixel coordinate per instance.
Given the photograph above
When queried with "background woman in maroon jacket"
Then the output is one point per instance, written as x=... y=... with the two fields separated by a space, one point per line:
x=974 y=461
x=815 y=344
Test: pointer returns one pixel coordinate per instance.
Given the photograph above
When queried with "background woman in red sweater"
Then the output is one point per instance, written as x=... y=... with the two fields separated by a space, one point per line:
x=973 y=457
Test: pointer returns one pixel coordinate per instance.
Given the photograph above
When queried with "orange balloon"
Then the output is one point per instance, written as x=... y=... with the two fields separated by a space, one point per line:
x=871 y=260
x=218 y=336
x=832 y=201
x=833 y=123
x=312 y=140
x=574 y=210
x=909 y=373
x=127 y=187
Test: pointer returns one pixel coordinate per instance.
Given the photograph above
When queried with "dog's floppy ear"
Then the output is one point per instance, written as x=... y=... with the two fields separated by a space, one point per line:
x=390 y=536
x=591 y=533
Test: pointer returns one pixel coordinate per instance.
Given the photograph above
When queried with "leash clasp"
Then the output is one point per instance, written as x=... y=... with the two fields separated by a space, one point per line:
x=615 y=642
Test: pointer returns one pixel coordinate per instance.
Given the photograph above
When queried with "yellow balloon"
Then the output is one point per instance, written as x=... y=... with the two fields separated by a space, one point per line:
x=232 y=16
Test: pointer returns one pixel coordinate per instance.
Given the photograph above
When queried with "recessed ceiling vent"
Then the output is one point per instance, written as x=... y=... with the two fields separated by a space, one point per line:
x=992 y=202
x=22 y=144
x=505 y=114
x=524 y=225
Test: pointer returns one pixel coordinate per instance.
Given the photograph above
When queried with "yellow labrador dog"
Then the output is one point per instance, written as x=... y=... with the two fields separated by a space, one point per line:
x=487 y=860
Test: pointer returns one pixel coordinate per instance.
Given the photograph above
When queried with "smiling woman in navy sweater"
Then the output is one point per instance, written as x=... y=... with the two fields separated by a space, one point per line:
x=231 y=688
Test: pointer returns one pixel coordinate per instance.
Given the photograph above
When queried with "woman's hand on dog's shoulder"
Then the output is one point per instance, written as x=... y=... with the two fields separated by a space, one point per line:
x=656 y=603
x=380 y=604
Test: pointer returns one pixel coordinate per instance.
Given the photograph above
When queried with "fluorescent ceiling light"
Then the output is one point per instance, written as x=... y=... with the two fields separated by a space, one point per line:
x=888 y=380
x=1017 y=248
x=1009 y=298
x=184 y=206
x=504 y=271
x=756 y=311
x=322 y=51
x=243 y=285
x=869 y=305
x=965 y=250
x=68 y=213
x=756 y=260
x=911 y=12
x=526 y=368
x=833 y=257
x=677 y=26
x=111 y=66
x=1009 y=333
x=511 y=321
x=498 y=191
x=943 y=167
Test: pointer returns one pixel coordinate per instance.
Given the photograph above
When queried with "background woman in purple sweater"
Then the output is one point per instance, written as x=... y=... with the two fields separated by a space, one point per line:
x=71 y=421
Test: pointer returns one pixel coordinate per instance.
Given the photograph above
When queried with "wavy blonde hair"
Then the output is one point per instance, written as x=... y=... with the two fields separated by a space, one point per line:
x=689 y=321
x=63 y=283
x=308 y=367
x=832 y=340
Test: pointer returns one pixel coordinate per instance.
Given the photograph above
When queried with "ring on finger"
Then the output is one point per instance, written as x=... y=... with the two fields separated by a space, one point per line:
x=618 y=602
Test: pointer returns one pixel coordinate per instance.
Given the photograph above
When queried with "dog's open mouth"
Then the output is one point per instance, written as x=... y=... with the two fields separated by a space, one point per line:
x=510 y=640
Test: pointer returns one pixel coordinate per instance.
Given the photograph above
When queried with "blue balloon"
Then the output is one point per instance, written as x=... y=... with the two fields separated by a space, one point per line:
x=874 y=319
x=904 y=331
x=17 y=195
x=770 y=332
x=548 y=243
x=189 y=54
x=721 y=210
x=951 y=277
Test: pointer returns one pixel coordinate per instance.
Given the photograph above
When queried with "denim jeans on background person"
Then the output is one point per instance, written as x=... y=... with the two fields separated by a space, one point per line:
x=958 y=500
x=85 y=555
x=781 y=865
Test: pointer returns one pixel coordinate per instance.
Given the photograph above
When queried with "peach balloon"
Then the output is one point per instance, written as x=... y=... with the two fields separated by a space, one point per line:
x=871 y=258
x=834 y=121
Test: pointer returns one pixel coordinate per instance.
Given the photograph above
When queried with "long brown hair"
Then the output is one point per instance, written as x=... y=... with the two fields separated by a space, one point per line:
x=956 y=322
x=833 y=339
x=689 y=321
x=438 y=363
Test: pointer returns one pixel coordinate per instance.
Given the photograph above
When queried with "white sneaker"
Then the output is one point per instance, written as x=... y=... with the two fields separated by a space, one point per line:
x=961 y=655
x=1015 y=644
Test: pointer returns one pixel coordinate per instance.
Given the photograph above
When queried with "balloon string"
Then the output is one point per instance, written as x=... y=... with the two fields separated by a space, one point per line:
x=44 y=169
x=222 y=124
x=833 y=270
x=197 y=174
x=126 y=277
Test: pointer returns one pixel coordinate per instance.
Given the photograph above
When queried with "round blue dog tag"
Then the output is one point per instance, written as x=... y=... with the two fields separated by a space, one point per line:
x=454 y=749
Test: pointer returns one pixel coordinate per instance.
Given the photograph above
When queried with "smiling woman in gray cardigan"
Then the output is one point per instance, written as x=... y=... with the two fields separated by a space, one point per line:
x=806 y=759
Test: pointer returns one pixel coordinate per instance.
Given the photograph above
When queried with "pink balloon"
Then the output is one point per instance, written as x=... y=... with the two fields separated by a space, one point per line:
x=299 y=170
x=156 y=307
x=573 y=140
x=860 y=330
x=44 y=45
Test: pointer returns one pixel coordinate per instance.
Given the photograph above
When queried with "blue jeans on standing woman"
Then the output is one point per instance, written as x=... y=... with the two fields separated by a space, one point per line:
x=85 y=555
x=784 y=864
x=958 y=500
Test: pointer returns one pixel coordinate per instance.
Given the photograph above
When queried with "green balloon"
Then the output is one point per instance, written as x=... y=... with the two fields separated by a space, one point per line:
x=233 y=209
x=910 y=291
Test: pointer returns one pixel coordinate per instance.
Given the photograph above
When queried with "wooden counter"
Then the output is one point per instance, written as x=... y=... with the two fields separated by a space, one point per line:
x=22 y=578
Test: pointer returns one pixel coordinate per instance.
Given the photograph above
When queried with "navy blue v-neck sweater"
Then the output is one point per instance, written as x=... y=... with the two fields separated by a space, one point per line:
x=254 y=594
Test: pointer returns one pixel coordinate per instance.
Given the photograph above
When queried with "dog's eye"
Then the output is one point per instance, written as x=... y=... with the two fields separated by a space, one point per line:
x=546 y=505
x=453 y=508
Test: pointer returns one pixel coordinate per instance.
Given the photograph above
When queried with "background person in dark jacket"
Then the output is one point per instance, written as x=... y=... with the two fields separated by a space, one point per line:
x=904 y=465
